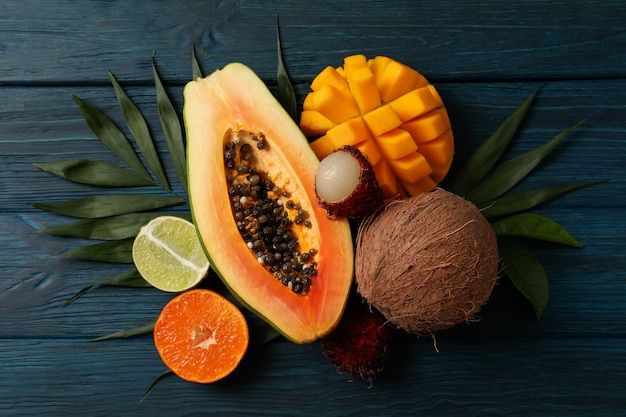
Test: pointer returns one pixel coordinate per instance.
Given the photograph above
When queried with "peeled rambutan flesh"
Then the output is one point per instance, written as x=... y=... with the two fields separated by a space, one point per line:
x=427 y=263
x=346 y=186
x=360 y=343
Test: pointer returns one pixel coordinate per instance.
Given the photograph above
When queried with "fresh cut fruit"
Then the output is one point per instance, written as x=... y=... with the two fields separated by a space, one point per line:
x=168 y=254
x=252 y=196
x=391 y=113
x=201 y=336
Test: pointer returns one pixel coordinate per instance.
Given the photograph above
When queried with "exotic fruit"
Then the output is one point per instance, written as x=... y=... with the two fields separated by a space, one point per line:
x=252 y=196
x=360 y=344
x=345 y=184
x=391 y=113
x=427 y=263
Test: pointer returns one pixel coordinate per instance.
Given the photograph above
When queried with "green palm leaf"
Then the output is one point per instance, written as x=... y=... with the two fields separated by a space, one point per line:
x=526 y=200
x=172 y=128
x=490 y=151
x=534 y=226
x=286 y=92
x=139 y=129
x=130 y=278
x=96 y=173
x=111 y=135
x=109 y=205
x=525 y=272
x=118 y=227
x=196 y=72
x=114 y=251
x=508 y=174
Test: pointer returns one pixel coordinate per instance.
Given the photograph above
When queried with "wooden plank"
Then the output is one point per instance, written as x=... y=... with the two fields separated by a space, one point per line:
x=57 y=42
x=484 y=57
x=498 y=376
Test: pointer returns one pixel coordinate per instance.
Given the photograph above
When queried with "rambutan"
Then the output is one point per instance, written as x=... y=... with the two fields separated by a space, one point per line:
x=346 y=185
x=360 y=343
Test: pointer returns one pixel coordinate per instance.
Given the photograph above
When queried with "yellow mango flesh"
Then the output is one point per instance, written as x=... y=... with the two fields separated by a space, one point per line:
x=350 y=132
x=391 y=113
x=315 y=122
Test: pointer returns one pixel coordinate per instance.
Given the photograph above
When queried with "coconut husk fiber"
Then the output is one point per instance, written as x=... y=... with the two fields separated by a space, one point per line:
x=427 y=263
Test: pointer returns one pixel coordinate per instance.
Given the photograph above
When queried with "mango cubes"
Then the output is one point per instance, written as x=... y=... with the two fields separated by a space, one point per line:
x=391 y=113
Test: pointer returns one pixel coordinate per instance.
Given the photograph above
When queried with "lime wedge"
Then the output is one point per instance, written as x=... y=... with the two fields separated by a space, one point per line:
x=168 y=254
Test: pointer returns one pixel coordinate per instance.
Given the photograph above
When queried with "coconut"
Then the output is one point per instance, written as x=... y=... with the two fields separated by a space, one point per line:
x=427 y=263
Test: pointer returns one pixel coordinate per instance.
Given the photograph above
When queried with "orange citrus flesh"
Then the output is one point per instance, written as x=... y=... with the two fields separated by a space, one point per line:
x=391 y=113
x=201 y=336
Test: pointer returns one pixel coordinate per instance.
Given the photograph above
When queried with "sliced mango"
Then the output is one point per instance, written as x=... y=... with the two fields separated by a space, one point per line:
x=353 y=62
x=391 y=113
x=382 y=120
x=350 y=132
x=420 y=186
x=396 y=143
x=329 y=76
x=364 y=90
x=411 y=168
x=369 y=148
x=440 y=171
x=435 y=95
x=338 y=106
x=439 y=150
x=314 y=123
x=322 y=146
x=397 y=79
x=378 y=64
x=414 y=103
x=387 y=180
x=428 y=126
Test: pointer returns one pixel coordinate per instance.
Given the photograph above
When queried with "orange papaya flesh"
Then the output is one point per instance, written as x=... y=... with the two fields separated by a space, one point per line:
x=246 y=156
x=406 y=120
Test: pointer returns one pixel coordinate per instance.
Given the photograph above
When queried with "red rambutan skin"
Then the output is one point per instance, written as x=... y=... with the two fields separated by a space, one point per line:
x=359 y=344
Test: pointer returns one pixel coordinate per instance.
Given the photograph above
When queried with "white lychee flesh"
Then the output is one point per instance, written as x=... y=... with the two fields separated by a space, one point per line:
x=337 y=176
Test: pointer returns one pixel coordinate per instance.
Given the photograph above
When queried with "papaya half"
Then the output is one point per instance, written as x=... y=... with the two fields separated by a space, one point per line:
x=251 y=188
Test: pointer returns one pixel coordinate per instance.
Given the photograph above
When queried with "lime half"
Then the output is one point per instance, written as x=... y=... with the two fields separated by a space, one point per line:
x=168 y=254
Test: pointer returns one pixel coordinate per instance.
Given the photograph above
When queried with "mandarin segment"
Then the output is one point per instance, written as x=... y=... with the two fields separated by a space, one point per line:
x=380 y=120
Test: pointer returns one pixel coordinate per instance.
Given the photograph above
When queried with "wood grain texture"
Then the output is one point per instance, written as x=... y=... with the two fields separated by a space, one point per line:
x=485 y=58
x=68 y=42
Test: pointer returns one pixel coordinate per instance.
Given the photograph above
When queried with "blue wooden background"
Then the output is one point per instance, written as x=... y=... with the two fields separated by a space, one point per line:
x=485 y=57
